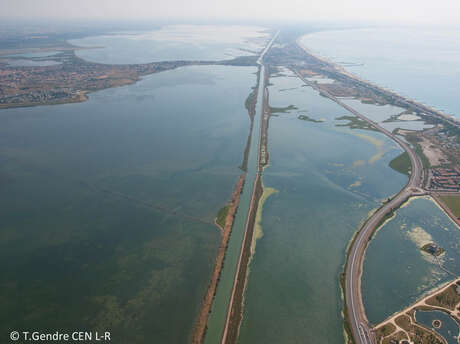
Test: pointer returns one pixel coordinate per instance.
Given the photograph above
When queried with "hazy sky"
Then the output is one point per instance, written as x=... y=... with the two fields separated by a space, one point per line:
x=410 y=11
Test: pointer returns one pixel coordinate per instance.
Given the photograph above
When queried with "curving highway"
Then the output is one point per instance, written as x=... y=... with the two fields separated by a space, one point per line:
x=354 y=305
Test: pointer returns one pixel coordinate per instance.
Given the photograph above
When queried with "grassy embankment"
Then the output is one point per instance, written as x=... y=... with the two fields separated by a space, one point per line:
x=453 y=202
x=222 y=216
x=401 y=163
x=414 y=140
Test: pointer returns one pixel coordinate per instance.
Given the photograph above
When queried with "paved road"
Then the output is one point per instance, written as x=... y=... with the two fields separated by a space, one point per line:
x=355 y=308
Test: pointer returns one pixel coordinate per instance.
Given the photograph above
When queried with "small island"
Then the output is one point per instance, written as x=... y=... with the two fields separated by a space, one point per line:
x=309 y=119
x=432 y=249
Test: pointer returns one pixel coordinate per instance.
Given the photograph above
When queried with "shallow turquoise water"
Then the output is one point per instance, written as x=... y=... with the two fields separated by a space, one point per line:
x=396 y=272
x=97 y=200
x=293 y=291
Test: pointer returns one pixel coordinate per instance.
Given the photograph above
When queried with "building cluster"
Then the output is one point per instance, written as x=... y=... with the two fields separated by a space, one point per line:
x=445 y=179
x=38 y=85
x=65 y=81
x=449 y=143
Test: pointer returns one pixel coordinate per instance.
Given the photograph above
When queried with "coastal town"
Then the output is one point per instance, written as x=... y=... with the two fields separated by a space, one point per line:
x=444 y=179
x=69 y=79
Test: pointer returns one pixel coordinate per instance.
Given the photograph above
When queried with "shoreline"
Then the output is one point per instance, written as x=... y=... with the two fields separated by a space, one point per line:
x=405 y=101
x=410 y=312
x=420 y=302
x=199 y=330
x=235 y=316
x=437 y=199
x=73 y=79
x=236 y=303
x=235 y=311
x=355 y=319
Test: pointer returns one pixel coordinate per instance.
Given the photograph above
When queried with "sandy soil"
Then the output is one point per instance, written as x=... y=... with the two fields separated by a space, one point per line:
x=434 y=155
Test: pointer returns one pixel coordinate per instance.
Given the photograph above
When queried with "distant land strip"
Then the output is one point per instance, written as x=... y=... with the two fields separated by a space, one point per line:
x=73 y=78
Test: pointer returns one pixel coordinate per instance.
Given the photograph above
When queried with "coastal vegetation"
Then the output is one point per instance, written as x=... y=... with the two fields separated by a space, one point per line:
x=415 y=141
x=226 y=216
x=309 y=119
x=354 y=123
x=449 y=298
x=432 y=249
x=385 y=330
x=396 y=338
x=453 y=202
x=401 y=163
x=405 y=322
x=250 y=102
x=417 y=333
x=222 y=216
x=282 y=109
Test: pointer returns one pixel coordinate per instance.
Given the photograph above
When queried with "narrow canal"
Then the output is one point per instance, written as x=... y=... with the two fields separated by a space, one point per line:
x=216 y=321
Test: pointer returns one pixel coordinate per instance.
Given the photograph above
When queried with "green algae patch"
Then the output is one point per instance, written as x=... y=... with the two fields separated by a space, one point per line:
x=354 y=123
x=282 y=109
x=258 y=233
x=379 y=144
x=309 y=119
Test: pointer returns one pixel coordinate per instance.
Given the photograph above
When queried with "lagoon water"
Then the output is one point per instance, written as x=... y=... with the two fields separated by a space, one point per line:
x=386 y=115
x=421 y=63
x=328 y=178
x=217 y=317
x=111 y=201
x=29 y=63
x=174 y=42
x=396 y=272
x=107 y=206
